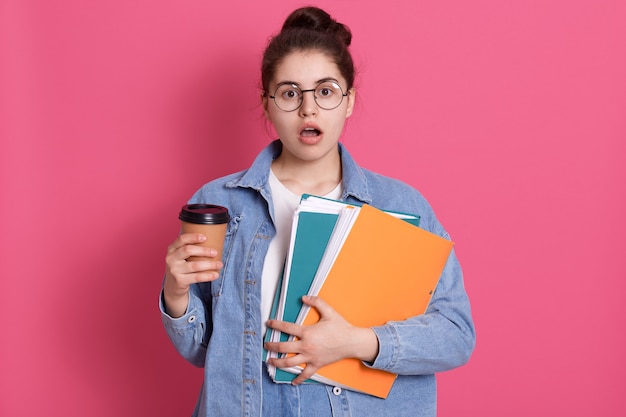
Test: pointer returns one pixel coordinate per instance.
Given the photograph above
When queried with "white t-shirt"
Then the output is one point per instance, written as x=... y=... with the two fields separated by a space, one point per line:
x=285 y=204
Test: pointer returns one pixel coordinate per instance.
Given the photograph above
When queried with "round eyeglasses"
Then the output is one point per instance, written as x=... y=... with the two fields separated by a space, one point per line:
x=328 y=95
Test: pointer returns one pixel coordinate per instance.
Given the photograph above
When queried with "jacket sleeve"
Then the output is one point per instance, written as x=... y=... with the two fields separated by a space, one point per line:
x=189 y=332
x=441 y=339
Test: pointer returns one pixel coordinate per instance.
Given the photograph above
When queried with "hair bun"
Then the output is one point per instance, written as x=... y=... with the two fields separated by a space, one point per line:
x=309 y=29
x=316 y=19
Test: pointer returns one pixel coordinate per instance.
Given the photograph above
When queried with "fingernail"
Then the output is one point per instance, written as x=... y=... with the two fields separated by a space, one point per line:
x=201 y=238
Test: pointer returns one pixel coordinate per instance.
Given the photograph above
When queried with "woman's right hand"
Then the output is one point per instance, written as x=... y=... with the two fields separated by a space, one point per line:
x=181 y=273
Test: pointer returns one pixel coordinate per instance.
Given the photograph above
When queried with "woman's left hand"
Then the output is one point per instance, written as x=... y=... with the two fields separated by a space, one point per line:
x=331 y=339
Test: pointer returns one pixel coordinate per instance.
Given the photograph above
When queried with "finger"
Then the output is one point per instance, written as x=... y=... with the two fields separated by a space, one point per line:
x=186 y=280
x=306 y=373
x=203 y=265
x=282 y=347
x=285 y=327
x=186 y=239
x=187 y=251
x=287 y=362
x=186 y=273
x=207 y=276
x=319 y=304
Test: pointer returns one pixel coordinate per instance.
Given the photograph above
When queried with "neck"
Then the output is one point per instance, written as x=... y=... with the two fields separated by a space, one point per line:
x=308 y=177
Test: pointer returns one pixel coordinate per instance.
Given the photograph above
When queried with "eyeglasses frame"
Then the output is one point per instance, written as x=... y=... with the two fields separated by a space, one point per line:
x=273 y=97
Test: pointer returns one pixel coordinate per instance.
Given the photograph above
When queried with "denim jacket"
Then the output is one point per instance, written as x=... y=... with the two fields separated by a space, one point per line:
x=221 y=329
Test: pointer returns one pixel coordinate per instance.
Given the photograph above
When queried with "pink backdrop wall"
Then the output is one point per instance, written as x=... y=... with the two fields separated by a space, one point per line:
x=509 y=117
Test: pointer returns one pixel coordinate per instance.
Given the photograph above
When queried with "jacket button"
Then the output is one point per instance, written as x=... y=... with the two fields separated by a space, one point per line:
x=191 y=319
x=337 y=390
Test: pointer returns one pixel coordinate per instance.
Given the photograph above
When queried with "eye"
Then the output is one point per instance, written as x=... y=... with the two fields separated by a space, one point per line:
x=327 y=89
x=325 y=92
x=288 y=92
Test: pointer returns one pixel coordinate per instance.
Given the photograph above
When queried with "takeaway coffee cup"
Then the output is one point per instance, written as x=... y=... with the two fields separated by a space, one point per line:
x=209 y=220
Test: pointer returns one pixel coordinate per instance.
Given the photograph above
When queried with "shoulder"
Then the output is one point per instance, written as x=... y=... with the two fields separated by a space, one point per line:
x=218 y=184
x=221 y=191
x=383 y=184
x=245 y=191
x=390 y=193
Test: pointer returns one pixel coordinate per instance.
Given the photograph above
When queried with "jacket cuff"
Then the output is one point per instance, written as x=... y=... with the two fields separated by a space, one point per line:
x=194 y=307
x=387 y=340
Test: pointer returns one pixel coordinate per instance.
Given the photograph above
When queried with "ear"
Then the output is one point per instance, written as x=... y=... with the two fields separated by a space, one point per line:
x=265 y=102
x=351 y=98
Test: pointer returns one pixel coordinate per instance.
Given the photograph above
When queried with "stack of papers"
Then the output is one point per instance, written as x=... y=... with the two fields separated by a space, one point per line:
x=370 y=266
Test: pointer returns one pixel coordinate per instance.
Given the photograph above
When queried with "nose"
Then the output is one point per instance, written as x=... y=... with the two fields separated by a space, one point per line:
x=309 y=105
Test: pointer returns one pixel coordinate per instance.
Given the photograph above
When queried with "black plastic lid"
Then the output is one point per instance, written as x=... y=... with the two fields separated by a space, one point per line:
x=204 y=214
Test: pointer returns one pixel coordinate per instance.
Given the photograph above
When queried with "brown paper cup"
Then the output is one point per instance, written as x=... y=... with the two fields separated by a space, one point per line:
x=209 y=220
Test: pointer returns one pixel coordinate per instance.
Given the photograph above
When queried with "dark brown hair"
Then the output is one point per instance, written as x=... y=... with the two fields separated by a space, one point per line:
x=309 y=29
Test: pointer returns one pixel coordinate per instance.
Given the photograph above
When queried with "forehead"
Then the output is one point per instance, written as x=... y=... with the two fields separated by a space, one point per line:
x=306 y=68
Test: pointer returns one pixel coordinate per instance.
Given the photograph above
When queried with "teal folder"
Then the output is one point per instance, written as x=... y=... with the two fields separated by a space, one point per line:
x=312 y=233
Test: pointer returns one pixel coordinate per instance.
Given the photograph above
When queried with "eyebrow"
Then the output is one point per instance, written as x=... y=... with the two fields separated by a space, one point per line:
x=316 y=82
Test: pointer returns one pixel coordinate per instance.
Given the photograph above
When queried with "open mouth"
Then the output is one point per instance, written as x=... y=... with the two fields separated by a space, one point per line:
x=310 y=132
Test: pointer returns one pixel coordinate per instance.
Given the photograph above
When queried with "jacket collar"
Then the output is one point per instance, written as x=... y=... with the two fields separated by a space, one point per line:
x=257 y=176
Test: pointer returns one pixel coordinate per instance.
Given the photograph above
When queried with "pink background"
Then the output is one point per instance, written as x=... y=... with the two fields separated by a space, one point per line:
x=508 y=115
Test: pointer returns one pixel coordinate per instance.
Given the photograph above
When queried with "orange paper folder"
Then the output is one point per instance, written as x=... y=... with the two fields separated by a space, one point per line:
x=387 y=270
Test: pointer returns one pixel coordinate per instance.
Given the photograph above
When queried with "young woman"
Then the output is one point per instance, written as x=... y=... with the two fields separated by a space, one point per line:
x=217 y=320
